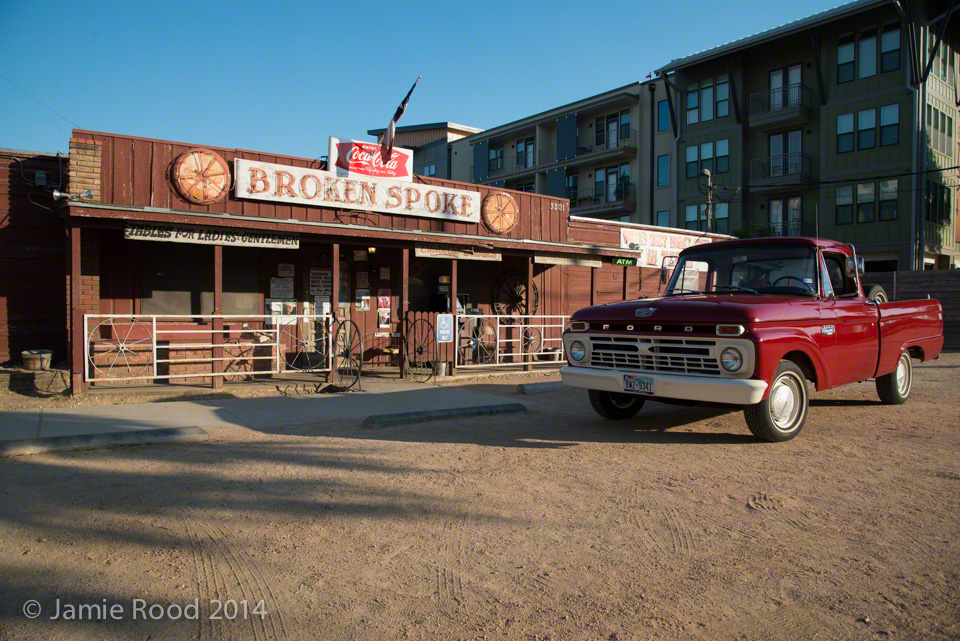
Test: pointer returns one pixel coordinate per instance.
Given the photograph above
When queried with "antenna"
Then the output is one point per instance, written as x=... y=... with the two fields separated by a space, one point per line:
x=816 y=213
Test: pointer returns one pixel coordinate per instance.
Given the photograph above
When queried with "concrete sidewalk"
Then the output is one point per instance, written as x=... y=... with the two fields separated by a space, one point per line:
x=378 y=397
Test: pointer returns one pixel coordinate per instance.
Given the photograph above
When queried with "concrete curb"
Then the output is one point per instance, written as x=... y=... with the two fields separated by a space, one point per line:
x=98 y=441
x=539 y=388
x=402 y=418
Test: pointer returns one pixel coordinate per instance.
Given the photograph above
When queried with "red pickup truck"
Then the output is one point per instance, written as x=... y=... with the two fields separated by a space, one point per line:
x=749 y=323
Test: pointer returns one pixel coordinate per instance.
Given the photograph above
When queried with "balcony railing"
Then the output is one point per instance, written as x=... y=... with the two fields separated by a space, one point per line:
x=608 y=197
x=787 y=169
x=611 y=144
x=781 y=106
x=790 y=228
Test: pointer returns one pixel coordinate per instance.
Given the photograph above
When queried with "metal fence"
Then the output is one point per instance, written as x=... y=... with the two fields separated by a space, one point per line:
x=491 y=340
x=129 y=347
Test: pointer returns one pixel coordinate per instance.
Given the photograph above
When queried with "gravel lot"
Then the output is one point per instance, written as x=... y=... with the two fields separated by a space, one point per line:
x=550 y=525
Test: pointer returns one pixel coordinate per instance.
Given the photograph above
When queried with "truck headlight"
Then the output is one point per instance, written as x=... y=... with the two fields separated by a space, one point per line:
x=578 y=351
x=731 y=360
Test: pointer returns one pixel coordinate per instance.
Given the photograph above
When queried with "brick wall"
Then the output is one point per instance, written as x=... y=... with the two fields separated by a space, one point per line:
x=85 y=156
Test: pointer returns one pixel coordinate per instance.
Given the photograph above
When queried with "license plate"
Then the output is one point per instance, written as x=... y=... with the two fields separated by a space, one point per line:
x=638 y=384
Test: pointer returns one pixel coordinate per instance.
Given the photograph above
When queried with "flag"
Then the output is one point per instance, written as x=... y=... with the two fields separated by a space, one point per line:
x=386 y=143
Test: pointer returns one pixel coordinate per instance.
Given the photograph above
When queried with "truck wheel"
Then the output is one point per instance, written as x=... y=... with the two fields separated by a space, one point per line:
x=894 y=388
x=781 y=415
x=615 y=406
x=877 y=293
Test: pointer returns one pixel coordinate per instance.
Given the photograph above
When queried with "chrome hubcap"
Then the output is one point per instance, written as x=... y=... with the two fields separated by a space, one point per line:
x=786 y=402
x=903 y=375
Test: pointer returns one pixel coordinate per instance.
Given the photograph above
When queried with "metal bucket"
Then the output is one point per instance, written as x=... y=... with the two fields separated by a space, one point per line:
x=36 y=359
x=550 y=354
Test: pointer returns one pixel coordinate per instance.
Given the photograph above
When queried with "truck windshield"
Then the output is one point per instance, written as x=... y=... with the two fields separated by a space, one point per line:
x=750 y=269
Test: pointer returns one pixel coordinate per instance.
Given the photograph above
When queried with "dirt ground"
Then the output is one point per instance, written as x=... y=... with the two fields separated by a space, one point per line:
x=550 y=525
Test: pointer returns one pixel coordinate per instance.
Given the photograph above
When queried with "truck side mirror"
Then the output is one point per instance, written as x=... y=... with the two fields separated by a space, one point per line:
x=850 y=268
x=861 y=268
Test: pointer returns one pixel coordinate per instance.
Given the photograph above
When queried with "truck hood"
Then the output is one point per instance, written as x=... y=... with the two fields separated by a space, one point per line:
x=706 y=308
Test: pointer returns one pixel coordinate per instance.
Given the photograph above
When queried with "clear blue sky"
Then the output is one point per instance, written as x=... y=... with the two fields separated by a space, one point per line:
x=282 y=77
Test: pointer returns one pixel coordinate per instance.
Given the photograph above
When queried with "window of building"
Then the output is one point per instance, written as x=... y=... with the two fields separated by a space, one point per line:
x=888 y=199
x=691 y=217
x=947 y=149
x=429 y=170
x=663 y=171
x=722 y=217
x=527 y=187
x=663 y=116
x=950 y=146
x=723 y=96
x=663 y=218
x=624 y=124
x=889 y=125
x=890 y=48
x=723 y=156
x=844 y=133
x=600 y=132
x=693 y=104
x=599 y=182
x=867 y=129
x=938 y=203
x=525 y=152
x=706 y=100
x=496 y=158
x=572 y=185
x=845 y=205
x=866 y=202
x=692 y=159
x=845 y=58
x=706 y=156
x=868 y=52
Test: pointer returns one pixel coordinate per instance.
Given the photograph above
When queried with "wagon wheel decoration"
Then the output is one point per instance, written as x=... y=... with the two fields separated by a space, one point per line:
x=348 y=354
x=510 y=297
x=500 y=212
x=304 y=343
x=120 y=348
x=479 y=345
x=531 y=340
x=200 y=176
x=421 y=354
x=239 y=367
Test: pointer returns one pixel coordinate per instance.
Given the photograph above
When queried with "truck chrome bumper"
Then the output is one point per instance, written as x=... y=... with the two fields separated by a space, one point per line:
x=711 y=389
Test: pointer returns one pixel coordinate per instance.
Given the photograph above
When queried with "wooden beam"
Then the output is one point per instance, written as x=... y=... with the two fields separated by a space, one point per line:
x=217 y=381
x=404 y=304
x=593 y=286
x=530 y=311
x=334 y=301
x=78 y=361
x=626 y=294
x=453 y=310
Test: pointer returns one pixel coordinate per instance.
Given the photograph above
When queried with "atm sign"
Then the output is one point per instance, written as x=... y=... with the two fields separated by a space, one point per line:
x=624 y=262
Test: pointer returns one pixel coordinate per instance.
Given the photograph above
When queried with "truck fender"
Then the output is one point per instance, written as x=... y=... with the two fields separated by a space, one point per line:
x=795 y=344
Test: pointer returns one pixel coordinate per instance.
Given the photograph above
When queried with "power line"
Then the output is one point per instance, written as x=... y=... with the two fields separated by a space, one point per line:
x=37 y=100
x=850 y=180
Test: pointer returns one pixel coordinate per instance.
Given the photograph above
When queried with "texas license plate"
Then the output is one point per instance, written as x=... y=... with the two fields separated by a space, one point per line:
x=638 y=384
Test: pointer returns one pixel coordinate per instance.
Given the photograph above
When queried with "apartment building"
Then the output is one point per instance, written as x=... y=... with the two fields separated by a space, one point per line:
x=833 y=124
x=594 y=151
x=430 y=144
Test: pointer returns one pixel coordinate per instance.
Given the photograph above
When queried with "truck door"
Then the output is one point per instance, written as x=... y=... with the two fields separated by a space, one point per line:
x=856 y=321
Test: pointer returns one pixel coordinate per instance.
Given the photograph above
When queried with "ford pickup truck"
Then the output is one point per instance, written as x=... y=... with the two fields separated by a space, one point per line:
x=752 y=323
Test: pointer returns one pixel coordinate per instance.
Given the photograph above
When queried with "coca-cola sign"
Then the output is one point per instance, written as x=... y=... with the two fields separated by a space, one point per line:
x=351 y=157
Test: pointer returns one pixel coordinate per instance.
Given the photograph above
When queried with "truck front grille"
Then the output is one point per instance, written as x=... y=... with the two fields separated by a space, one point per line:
x=655 y=354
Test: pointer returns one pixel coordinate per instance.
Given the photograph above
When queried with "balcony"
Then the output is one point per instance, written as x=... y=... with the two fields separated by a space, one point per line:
x=781 y=107
x=790 y=228
x=618 y=197
x=781 y=172
x=623 y=144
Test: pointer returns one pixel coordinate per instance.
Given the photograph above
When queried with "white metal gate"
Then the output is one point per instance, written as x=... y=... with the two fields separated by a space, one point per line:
x=490 y=340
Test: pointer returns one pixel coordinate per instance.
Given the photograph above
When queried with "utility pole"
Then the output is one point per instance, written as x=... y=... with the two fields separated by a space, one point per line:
x=706 y=172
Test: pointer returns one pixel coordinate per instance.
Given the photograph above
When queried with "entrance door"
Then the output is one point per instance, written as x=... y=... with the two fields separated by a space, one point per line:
x=785 y=153
x=792 y=93
x=776 y=89
x=613 y=131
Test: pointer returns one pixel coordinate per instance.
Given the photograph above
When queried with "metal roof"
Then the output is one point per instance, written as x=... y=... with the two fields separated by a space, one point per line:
x=432 y=125
x=770 y=34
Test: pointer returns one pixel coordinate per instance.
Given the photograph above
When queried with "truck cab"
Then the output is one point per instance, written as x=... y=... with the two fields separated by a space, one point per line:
x=753 y=323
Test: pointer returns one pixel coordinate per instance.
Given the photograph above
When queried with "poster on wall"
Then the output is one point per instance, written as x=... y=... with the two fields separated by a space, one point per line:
x=281 y=287
x=363 y=299
x=363 y=280
x=360 y=255
x=321 y=282
x=322 y=304
x=383 y=299
x=384 y=273
x=286 y=270
x=383 y=318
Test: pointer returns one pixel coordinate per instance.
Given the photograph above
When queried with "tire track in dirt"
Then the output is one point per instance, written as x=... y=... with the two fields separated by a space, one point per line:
x=774 y=507
x=449 y=569
x=204 y=572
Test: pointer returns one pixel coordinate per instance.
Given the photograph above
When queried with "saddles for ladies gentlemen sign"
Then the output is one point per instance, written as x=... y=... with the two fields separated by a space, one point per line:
x=350 y=157
x=204 y=235
x=312 y=187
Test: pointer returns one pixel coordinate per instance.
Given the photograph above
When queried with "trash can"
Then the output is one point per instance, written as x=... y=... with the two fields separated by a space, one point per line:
x=36 y=359
x=550 y=354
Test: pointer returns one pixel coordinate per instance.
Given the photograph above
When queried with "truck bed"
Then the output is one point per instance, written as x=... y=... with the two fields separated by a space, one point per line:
x=909 y=324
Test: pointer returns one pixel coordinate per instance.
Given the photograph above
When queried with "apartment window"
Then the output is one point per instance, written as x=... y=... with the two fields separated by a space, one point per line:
x=706 y=100
x=600 y=135
x=525 y=153
x=496 y=158
x=572 y=186
x=868 y=52
x=429 y=170
x=663 y=116
x=706 y=156
x=890 y=48
x=663 y=171
x=624 y=124
x=867 y=129
x=527 y=187
x=844 y=133
x=845 y=57
x=723 y=156
x=866 y=202
x=845 y=205
x=721 y=218
x=937 y=208
x=888 y=199
x=599 y=182
x=947 y=149
x=889 y=125
x=723 y=96
x=663 y=218
x=692 y=159
x=693 y=104
x=949 y=135
x=691 y=217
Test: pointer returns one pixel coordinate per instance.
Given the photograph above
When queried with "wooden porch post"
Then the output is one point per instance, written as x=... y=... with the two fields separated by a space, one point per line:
x=217 y=381
x=334 y=303
x=593 y=286
x=528 y=359
x=404 y=303
x=626 y=293
x=78 y=361
x=453 y=310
